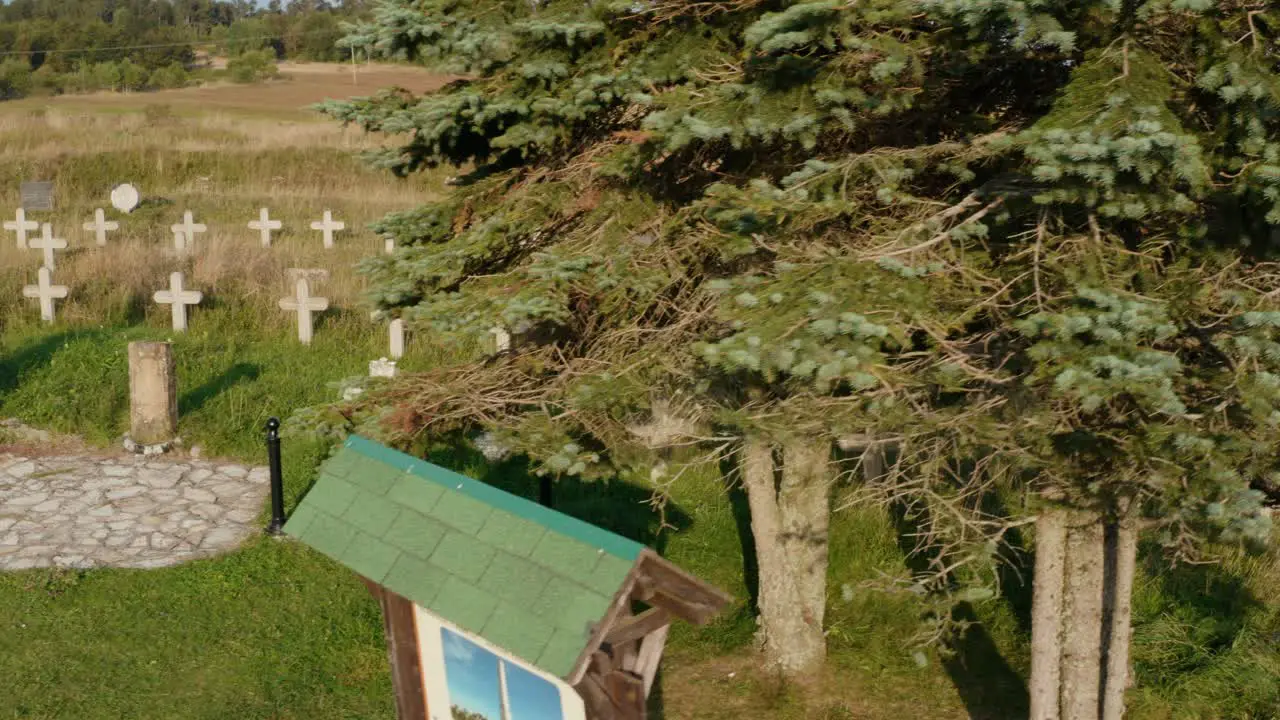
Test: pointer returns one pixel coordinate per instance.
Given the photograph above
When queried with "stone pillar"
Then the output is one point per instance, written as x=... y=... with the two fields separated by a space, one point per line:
x=153 y=394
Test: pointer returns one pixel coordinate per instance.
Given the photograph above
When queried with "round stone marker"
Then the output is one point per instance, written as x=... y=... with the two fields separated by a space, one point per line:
x=124 y=197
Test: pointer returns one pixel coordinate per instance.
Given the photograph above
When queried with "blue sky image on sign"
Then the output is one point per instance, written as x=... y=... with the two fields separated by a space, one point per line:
x=474 y=676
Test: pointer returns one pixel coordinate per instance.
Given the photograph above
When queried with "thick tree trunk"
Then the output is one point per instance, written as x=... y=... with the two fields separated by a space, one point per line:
x=1082 y=635
x=790 y=624
x=805 y=501
x=1046 y=614
x=1122 y=551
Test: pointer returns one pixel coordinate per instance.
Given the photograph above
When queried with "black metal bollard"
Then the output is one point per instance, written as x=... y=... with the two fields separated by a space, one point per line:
x=277 y=480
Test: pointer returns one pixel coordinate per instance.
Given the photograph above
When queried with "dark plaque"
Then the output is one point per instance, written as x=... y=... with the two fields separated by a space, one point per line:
x=37 y=196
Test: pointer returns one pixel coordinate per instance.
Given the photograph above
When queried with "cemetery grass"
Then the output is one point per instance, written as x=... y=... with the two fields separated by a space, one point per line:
x=275 y=630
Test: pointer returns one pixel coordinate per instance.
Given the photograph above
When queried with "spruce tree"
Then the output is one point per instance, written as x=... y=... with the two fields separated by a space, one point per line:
x=1017 y=249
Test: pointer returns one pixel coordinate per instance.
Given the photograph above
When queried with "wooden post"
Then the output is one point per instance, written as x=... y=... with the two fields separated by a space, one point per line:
x=401 y=630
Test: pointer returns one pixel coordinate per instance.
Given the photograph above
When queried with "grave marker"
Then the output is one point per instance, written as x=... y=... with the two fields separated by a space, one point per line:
x=382 y=368
x=46 y=292
x=179 y=298
x=327 y=227
x=124 y=197
x=304 y=304
x=184 y=233
x=397 y=339
x=501 y=339
x=37 y=195
x=100 y=226
x=48 y=243
x=153 y=394
x=20 y=225
x=389 y=244
x=264 y=225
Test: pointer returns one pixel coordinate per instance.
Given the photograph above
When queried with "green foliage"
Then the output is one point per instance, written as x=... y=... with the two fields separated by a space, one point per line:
x=1027 y=243
x=252 y=66
x=170 y=76
x=15 y=79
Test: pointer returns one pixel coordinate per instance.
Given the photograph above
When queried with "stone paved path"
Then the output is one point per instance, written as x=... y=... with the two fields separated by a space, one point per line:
x=82 y=511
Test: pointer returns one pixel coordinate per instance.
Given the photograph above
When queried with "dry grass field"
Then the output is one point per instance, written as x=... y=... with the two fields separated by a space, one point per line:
x=301 y=84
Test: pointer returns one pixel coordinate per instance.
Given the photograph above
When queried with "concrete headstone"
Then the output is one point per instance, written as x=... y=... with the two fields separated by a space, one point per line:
x=179 y=298
x=20 y=225
x=153 y=393
x=46 y=292
x=184 y=233
x=327 y=227
x=264 y=225
x=47 y=243
x=501 y=339
x=124 y=197
x=382 y=367
x=397 y=338
x=304 y=304
x=37 y=195
x=100 y=226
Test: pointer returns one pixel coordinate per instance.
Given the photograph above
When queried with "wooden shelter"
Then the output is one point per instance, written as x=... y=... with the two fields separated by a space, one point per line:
x=557 y=595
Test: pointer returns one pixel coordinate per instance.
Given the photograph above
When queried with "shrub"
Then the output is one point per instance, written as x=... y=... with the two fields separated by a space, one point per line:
x=15 y=79
x=172 y=75
x=252 y=66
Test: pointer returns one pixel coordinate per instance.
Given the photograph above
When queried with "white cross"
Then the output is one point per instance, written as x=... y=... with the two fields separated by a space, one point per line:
x=20 y=225
x=304 y=305
x=328 y=226
x=264 y=225
x=46 y=292
x=48 y=243
x=184 y=233
x=100 y=226
x=397 y=338
x=501 y=339
x=179 y=299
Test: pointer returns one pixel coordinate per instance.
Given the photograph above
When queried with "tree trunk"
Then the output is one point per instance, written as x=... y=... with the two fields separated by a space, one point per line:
x=1123 y=552
x=790 y=626
x=1046 y=614
x=805 y=501
x=1082 y=636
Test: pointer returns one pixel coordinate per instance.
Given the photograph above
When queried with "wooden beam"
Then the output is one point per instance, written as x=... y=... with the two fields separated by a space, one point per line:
x=595 y=699
x=650 y=656
x=626 y=690
x=664 y=585
x=401 y=630
x=637 y=626
x=621 y=605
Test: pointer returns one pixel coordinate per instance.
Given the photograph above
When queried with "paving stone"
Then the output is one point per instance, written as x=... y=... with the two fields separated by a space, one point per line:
x=77 y=511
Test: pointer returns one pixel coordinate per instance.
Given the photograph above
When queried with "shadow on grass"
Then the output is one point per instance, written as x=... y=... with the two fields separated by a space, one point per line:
x=614 y=505
x=195 y=399
x=988 y=686
x=13 y=366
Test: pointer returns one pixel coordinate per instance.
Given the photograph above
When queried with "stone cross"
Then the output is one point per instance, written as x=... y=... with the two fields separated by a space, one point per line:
x=303 y=304
x=179 y=298
x=100 y=226
x=48 y=243
x=46 y=292
x=328 y=226
x=501 y=339
x=20 y=225
x=184 y=233
x=264 y=225
x=397 y=339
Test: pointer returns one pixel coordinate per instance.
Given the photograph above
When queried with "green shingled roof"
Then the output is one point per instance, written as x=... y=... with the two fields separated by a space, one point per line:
x=524 y=577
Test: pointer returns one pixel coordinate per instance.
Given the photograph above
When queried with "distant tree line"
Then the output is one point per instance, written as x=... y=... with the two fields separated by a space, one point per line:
x=61 y=46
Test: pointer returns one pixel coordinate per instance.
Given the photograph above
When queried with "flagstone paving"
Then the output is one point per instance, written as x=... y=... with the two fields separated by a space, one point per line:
x=80 y=511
